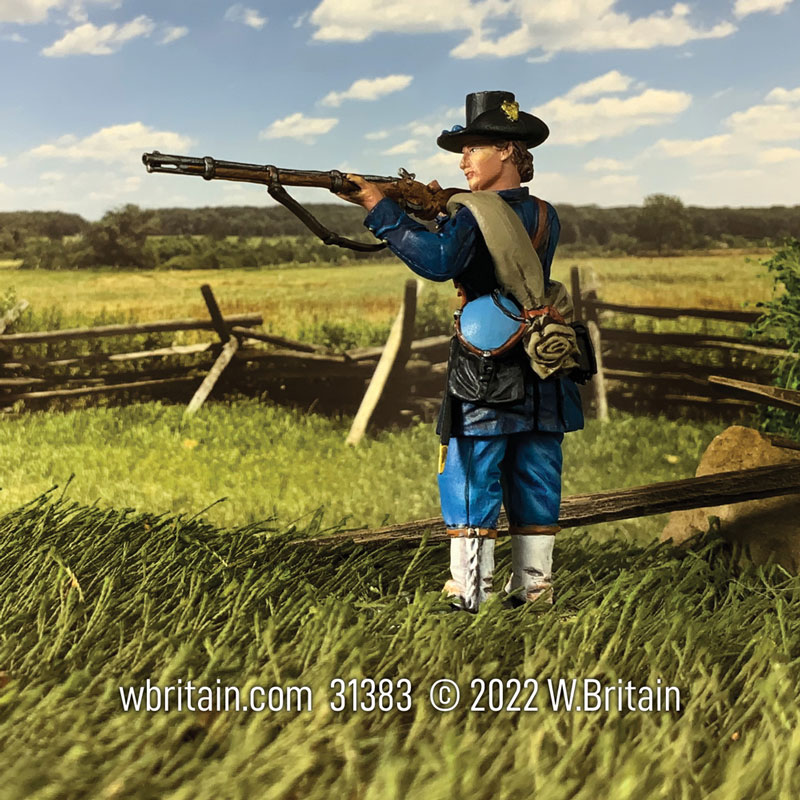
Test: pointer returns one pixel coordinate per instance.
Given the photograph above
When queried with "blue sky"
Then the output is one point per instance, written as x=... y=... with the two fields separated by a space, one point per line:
x=697 y=100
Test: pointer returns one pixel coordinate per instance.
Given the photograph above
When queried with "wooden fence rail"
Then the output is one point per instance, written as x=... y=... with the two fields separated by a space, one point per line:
x=638 y=501
x=290 y=371
x=669 y=371
x=640 y=370
x=27 y=375
x=162 y=326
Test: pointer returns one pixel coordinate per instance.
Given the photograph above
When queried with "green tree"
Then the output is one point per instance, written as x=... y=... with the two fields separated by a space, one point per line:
x=663 y=223
x=119 y=239
x=781 y=323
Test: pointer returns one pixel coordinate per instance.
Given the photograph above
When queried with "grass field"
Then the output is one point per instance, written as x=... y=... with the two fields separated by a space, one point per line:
x=140 y=574
x=300 y=299
x=93 y=600
x=270 y=461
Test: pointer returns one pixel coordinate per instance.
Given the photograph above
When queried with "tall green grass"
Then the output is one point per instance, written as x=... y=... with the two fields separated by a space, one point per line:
x=94 y=599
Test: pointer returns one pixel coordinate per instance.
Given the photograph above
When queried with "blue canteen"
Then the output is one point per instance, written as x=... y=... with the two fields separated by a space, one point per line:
x=483 y=323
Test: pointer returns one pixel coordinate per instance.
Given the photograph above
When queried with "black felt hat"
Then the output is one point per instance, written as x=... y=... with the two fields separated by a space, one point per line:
x=494 y=115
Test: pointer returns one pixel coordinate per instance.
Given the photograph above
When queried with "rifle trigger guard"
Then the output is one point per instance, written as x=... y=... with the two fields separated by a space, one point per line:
x=209 y=168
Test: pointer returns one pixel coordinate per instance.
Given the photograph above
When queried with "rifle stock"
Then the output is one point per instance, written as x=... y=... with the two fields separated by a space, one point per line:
x=413 y=196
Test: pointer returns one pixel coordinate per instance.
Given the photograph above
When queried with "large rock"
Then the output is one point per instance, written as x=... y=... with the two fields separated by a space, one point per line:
x=770 y=528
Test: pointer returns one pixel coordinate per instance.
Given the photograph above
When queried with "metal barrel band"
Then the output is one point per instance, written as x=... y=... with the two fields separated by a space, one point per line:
x=472 y=533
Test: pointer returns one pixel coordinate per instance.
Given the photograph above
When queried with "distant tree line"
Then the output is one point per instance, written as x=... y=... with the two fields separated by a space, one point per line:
x=251 y=236
x=17 y=226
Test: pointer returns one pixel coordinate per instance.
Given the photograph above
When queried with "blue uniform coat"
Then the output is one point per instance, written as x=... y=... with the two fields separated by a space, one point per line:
x=457 y=251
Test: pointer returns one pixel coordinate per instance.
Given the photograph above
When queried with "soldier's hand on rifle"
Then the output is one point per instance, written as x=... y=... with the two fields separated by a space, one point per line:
x=368 y=194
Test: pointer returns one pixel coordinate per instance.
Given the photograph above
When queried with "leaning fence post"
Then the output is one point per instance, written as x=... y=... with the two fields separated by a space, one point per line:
x=393 y=358
x=229 y=348
x=575 y=286
x=598 y=380
x=12 y=315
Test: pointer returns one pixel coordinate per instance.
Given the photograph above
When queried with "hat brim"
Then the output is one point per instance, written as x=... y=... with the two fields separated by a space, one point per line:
x=494 y=125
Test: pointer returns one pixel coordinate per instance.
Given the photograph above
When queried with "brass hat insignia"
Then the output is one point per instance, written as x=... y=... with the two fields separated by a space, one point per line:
x=510 y=109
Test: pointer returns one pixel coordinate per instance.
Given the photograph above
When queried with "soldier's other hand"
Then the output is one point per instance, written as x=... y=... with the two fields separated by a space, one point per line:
x=367 y=194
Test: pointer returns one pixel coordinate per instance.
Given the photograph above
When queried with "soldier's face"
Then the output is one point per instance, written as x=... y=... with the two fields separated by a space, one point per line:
x=482 y=165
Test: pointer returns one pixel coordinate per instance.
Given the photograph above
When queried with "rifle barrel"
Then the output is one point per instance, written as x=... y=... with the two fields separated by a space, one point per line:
x=211 y=168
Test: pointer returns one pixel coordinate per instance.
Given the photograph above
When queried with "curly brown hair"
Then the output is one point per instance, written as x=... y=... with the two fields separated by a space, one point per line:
x=521 y=158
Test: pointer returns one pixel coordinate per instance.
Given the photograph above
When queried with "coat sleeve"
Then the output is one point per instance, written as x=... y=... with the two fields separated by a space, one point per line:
x=438 y=256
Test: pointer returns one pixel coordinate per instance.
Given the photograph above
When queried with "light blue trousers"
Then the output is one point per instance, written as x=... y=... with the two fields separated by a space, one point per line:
x=522 y=470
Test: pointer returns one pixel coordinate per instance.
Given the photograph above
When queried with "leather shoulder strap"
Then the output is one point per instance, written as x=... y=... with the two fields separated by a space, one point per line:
x=516 y=262
x=541 y=223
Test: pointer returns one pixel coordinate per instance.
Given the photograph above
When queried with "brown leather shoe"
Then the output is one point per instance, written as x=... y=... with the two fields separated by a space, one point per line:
x=545 y=593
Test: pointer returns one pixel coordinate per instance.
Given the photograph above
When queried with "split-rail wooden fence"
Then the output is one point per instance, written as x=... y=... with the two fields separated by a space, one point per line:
x=406 y=376
x=676 y=372
x=673 y=372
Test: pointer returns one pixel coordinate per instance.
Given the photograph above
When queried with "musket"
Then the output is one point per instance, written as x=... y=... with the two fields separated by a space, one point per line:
x=410 y=194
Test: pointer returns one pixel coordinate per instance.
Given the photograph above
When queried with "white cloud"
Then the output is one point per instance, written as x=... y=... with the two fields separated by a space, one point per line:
x=247 y=16
x=543 y=26
x=776 y=120
x=720 y=145
x=28 y=12
x=172 y=34
x=608 y=190
x=425 y=129
x=775 y=185
x=442 y=166
x=605 y=165
x=52 y=177
x=723 y=174
x=376 y=135
x=13 y=37
x=88 y=39
x=76 y=9
x=574 y=122
x=116 y=143
x=408 y=146
x=760 y=175
x=298 y=126
x=434 y=124
x=3 y=161
x=780 y=95
x=745 y=7
x=357 y=20
x=609 y=83
x=618 y=180
x=368 y=89
x=778 y=155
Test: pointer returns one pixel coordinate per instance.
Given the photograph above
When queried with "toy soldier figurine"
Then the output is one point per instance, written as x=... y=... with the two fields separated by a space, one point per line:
x=509 y=397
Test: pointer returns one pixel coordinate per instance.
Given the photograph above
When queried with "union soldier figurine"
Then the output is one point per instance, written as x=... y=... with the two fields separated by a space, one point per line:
x=506 y=408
